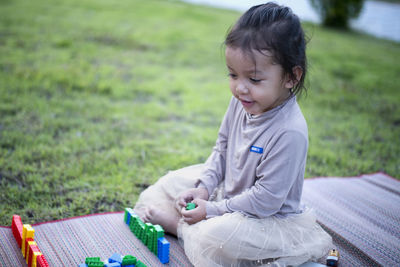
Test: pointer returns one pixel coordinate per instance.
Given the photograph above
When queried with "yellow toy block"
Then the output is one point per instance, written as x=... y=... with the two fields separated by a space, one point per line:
x=27 y=250
x=27 y=232
x=34 y=259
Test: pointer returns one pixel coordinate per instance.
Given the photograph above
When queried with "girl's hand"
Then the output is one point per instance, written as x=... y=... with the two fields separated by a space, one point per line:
x=197 y=214
x=190 y=195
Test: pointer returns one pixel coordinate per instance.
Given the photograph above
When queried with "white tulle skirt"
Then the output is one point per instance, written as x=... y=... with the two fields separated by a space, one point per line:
x=235 y=239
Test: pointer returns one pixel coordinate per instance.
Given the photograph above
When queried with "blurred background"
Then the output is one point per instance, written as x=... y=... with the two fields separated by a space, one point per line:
x=378 y=18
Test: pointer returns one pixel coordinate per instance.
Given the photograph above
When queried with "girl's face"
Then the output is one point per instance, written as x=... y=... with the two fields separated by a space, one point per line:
x=259 y=83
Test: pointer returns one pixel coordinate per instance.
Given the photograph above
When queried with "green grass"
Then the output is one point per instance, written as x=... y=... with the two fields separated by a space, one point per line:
x=100 y=98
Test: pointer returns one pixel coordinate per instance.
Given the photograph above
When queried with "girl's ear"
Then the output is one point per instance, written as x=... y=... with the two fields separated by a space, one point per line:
x=298 y=72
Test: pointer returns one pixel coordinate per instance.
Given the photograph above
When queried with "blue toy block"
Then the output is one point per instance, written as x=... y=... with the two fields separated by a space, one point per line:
x=83 y=265
x=112 y=264
x=163 y=250
x=115 y=258
x=128 y=215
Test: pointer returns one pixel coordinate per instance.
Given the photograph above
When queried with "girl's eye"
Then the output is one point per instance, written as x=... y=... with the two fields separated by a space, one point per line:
x=254 y=80
x=233 y=76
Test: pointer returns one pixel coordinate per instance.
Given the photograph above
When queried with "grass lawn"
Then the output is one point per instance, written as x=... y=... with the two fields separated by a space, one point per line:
x=100 y=98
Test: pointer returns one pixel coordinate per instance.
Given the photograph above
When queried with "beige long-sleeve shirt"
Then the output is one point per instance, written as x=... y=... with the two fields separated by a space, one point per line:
x=260 y=160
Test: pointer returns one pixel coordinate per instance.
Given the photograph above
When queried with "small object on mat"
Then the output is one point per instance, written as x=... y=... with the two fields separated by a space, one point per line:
x=116 y=257
x=163 y=250
x=149 y=234
x=41 y=261
x=24 y=235
x=129 y=260
x=126 y=261
x=17 y=229
x=333 y=258
x=190 y=206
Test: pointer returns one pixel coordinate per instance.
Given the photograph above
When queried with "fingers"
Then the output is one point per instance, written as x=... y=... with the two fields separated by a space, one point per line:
x=182 y=202
x=188 y=198
x=147 y=215
x=185 y=198
x=188 y=216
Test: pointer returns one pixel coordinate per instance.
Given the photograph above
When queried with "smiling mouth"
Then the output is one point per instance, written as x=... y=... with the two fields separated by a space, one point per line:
x=246 y=103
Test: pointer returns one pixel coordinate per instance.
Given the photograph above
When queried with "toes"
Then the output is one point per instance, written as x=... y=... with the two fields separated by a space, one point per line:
x=148 y=215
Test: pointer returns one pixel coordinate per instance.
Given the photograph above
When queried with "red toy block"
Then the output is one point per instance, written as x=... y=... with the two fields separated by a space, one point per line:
x=17 y=229
x=34 y=258
x=41 y=261
x=29 y=243
x=26 y=246
x=32 y=248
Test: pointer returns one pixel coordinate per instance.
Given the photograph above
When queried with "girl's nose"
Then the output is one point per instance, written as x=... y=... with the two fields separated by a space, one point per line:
x=241 y=88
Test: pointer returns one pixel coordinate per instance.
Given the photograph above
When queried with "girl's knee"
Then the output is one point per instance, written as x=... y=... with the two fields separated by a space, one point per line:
x=220 y=231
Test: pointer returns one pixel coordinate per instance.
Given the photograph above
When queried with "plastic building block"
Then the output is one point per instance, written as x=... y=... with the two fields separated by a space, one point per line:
x=32 y=260
x=115 y=258
x=129 y=260
x=190 y=206
x=147 y=233
x=163 y=250
x=17 y=229
x=26 y=247
x=32 y=247
x=27 y=232
x=41 y=261
x=92 y=259
x=35 y=255
x=127 y=217
x=140 y=264
x=112 y=264
x=24 y=235
x=35 y=258
x=94 y=262
x=159 y=230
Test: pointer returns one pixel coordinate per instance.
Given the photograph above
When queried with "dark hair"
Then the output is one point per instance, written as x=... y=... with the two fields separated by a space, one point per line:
x=274 y=28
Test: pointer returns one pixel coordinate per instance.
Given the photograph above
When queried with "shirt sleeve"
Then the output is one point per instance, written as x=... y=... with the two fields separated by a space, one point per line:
x=215 y=165
x=277 y=173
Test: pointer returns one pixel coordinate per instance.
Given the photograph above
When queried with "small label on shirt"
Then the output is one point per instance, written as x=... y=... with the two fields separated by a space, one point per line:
x=256 y=149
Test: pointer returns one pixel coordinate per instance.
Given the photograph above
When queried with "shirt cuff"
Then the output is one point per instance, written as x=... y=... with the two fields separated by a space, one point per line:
x=214 y=208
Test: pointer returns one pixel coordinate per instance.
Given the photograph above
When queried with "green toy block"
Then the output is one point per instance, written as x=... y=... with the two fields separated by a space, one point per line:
x=145 y=232
x=126 y=215
x=159 y=230
x=132 y=223
x=96 y=264
x=92 y=259
x=140 y=264
x=190 y=206
x=129 y=260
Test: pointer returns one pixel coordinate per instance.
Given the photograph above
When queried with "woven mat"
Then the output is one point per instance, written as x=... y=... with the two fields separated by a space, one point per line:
x=361 y=213
x=68 y=242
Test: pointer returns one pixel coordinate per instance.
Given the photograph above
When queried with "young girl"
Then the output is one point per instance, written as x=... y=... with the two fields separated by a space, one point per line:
x=248 y=192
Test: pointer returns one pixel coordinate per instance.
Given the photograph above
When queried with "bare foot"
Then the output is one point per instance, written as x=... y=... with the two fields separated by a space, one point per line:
x=155 y=215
